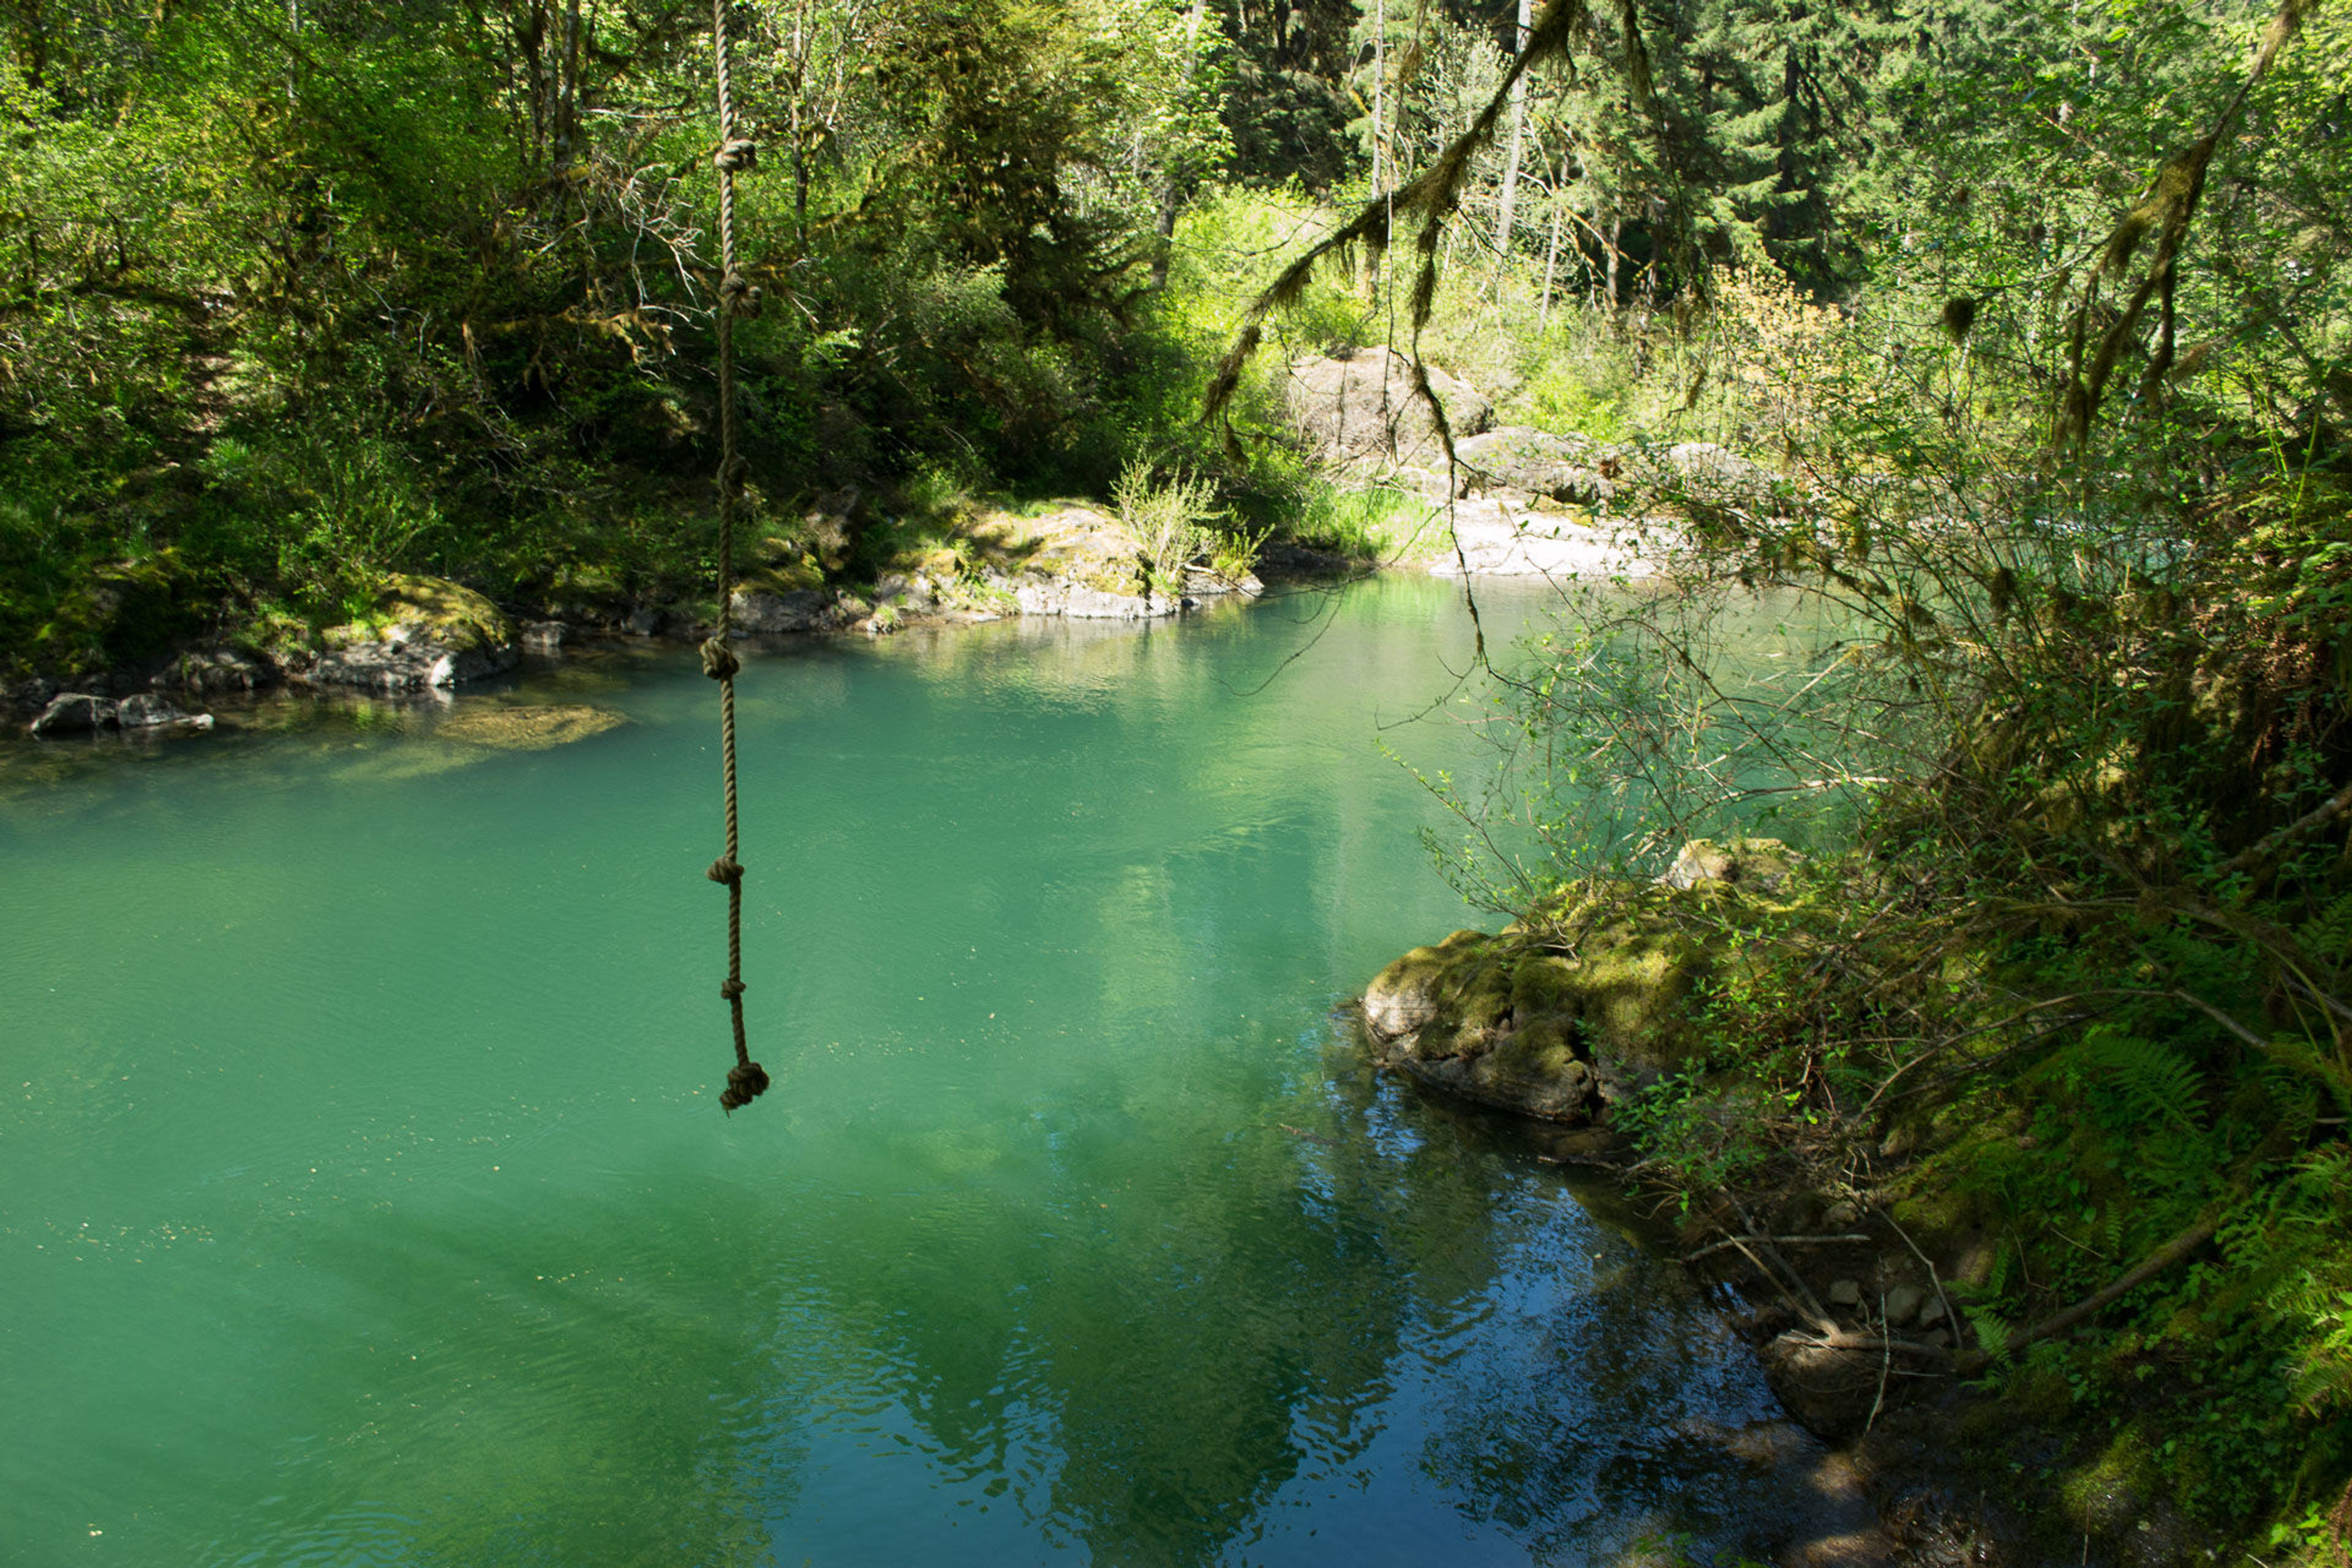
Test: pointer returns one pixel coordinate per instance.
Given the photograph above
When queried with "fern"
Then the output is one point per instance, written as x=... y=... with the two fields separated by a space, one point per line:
x=2156 y=1082
x=2328 y=933
x=1991 y=1333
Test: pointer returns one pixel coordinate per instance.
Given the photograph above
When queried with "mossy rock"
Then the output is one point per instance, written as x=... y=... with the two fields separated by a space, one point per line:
x=431 y=610
x=1586 y=996
x=941 y=565
x=1761 y=864
x=780 y=566
x=1486 y=1019
x=421 y=632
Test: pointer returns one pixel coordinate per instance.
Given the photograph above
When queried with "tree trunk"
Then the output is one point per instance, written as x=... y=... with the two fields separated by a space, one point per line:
x=567 y=92
x=1616 y=227
x=1172 y=197
x=1551 y=261
x=1503 y=220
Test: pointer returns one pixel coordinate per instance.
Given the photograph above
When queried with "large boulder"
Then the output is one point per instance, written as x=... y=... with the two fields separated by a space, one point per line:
x=422 y=633
x=76 y=713
x=1703 y=475
x=793 y=610
x=1361 y=407
x=1084 y=602
x=1585 y=998
x=1518 y=462
x=1484 y=1020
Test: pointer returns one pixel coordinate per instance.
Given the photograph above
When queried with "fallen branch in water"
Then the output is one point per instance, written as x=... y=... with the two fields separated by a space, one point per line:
x=1801 y=1296
x=1774 y=1241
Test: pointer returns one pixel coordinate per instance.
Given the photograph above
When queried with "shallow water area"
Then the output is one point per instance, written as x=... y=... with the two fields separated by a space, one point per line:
x=368 y=1199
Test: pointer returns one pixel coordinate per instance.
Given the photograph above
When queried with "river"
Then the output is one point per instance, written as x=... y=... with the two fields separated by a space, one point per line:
x=367 y=1199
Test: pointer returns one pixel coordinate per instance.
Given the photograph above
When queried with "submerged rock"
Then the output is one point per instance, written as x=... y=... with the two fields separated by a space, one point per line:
x=534 y=728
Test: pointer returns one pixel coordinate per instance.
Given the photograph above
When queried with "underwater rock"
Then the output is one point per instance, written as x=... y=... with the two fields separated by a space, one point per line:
x=536 y=728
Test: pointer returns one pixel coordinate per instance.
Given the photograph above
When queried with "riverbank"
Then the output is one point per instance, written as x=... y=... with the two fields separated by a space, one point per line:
x=870 y=557
x=1879 y=1216
x=422 y=635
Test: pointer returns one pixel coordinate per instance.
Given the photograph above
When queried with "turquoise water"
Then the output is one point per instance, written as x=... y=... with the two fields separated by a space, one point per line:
x=364 y=1197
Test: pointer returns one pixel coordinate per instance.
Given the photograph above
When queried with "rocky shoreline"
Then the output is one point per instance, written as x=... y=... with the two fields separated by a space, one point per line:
x=1512 y=501
x=1589 y=999
x=425 y=636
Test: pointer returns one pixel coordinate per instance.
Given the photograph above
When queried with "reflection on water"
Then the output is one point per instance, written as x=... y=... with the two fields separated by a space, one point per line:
x=368 y=1201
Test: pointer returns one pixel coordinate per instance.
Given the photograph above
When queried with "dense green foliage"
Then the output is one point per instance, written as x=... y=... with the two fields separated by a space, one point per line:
x=2035 y=315
x=2064 y=454
x=299 y=296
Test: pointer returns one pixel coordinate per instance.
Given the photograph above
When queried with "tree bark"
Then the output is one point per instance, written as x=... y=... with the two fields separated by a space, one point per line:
x=1503 y=220
x=1172 y=197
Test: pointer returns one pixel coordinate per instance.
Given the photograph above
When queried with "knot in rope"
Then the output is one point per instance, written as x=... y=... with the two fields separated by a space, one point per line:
x=737 y=155
x=726 y=871
x=730 y=988
x=718 y=660
x=746 y=1081
x=736 y=474
x=740 y=296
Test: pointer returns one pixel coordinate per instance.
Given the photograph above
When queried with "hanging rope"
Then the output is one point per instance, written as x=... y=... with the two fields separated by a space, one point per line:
x=746 y=1081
